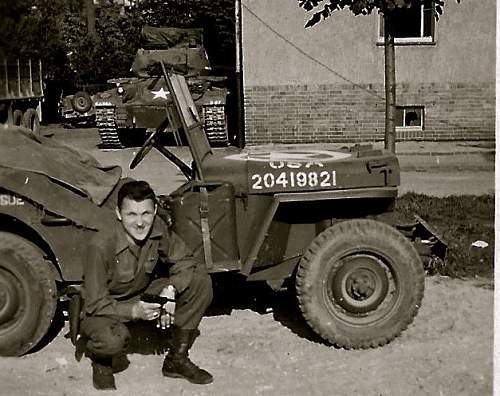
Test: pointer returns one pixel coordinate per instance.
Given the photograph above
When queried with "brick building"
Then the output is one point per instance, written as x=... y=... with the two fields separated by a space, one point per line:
x=326 y=83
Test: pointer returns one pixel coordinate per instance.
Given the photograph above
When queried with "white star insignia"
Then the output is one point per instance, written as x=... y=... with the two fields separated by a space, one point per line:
x=161 y=93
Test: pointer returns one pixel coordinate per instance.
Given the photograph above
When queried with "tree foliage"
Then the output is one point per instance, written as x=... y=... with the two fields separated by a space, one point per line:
x=30 y=29
x=95 y=59
x=55 y=31
x=323 y=9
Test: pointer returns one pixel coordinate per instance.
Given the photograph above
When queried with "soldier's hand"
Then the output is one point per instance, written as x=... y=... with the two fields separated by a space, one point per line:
x=145 y=311
x=168 y=309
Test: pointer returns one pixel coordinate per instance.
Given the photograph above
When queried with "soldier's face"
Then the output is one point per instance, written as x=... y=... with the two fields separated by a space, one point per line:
x=137 y=218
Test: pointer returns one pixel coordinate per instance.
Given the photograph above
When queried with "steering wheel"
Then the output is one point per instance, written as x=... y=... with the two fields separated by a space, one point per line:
x=144 y=150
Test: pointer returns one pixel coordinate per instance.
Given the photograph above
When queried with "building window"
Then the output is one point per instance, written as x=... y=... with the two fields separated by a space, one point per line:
x=413 y=25
x=410 y=117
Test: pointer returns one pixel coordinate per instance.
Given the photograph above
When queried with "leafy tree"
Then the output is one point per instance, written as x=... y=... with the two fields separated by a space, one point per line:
x=389 y=9
x=30 y=29
x=108 y=52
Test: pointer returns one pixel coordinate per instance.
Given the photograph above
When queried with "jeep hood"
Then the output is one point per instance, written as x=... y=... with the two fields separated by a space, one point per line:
x=260 y=170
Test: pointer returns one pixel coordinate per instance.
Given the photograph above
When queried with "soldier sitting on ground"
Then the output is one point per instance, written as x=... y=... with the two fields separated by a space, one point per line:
x=127 y=262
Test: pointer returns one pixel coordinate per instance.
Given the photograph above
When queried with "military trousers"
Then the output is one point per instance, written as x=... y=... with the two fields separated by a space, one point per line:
x=109 y=336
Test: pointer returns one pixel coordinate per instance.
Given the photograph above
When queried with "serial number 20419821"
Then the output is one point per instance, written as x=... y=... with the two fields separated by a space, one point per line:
x=293 y=179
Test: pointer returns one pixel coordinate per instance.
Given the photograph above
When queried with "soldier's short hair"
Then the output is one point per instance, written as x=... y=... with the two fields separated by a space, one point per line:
x=137 y=190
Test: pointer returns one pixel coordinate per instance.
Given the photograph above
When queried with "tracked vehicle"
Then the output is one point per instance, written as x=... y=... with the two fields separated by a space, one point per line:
x=137 y=104
x=315 y=218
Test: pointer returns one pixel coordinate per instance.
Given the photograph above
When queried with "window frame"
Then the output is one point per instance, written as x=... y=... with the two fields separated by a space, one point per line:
x=422 y=40
x=405 y=108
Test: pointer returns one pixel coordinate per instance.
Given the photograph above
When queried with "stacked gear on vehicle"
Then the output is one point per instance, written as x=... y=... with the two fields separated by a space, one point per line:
x=139 y=103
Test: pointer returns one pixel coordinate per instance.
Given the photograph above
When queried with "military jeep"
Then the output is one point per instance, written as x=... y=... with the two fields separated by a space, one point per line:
x=310 y=216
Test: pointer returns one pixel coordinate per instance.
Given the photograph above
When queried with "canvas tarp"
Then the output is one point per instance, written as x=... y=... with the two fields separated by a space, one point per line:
x=59 y=178
x=181 y=60
x=170 y=37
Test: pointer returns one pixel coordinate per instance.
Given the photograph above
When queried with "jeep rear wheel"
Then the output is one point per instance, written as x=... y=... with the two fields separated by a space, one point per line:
x=82 y=102
x=27 y=295
x=360 y=284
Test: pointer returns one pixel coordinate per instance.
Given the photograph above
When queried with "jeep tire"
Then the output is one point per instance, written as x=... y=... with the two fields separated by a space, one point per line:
x=27 y=295
x=360 y=283
x=81 y=102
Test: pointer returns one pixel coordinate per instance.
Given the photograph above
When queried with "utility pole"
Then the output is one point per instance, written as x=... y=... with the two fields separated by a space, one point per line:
x=390 y=84
x=240 y=114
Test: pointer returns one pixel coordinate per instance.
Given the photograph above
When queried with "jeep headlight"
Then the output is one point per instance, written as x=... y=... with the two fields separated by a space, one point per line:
x=120 y=90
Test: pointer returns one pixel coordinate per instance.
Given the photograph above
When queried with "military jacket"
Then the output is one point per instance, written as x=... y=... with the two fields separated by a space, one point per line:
x=115 y=272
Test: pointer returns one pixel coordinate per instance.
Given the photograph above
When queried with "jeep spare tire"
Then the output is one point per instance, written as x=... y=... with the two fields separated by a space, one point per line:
x=27 y=295
x=82 y=102
x=360 y=284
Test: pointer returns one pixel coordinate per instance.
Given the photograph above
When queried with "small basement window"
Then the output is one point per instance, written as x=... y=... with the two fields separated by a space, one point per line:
x=410 y=117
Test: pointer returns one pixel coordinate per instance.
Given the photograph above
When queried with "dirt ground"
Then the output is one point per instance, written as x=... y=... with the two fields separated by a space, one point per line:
x=269 y=350
x=446 y=351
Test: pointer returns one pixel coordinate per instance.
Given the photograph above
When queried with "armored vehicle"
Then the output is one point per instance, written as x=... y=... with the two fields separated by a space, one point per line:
x=138 y=103
x=316 y=218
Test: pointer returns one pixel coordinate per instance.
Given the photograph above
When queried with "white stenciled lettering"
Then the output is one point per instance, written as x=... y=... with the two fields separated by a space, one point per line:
x=325 y=179
x=294 y=165
x=314 y=163
x=301 y=179
x=257 y=182
x=268 y=180
x=312 y=179
x=284 y=180
x=277 y=164
x=10 y=200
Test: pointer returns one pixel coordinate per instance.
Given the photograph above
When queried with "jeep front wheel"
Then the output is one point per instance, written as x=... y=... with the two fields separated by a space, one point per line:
x=27 y=295
x=360 y=284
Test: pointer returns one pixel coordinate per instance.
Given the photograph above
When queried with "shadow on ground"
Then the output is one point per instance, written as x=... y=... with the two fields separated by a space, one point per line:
x=233 y=292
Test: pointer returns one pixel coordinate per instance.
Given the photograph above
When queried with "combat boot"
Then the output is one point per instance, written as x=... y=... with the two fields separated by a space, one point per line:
x=177 y=363
x=102 y=374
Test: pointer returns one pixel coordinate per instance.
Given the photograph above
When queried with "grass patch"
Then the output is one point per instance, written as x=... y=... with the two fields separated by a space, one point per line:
x=460 y=220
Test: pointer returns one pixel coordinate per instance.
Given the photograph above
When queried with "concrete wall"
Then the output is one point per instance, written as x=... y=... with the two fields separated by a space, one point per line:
x=326 y=83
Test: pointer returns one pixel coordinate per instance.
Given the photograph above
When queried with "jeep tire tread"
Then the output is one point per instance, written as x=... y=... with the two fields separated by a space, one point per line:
x=82 y=102
x=28 y=295
x=360 y=283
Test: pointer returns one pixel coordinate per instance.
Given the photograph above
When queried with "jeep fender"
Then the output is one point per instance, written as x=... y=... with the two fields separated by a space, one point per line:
x=298 y=236
x=19 y=227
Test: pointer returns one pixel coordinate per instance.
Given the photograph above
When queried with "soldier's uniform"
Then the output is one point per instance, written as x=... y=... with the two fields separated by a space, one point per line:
x=115 y=276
